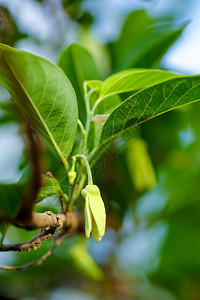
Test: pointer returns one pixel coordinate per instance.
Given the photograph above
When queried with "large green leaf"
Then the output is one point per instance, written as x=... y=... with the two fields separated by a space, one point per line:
x=44 y=96
x=126 y=81
x=143 y=41
x=148 y=104
x=79 y=66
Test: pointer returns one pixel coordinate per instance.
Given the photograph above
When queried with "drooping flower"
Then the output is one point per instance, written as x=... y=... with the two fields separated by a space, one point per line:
x=95 y=215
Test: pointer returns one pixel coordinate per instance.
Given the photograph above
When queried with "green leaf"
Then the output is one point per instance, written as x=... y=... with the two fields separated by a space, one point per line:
x=9 y=113
x=122 y=82
x=4 y=95
x=143 y=41
x=133 y=80
x=79 y=66
x=50 y=188
x=96 y=84
x=3 y=228
x=132 y=34
x=11 y=198
x=106 y=107
x=148 y=104
x=94 y=135
x=43 y=95
x=151 y=57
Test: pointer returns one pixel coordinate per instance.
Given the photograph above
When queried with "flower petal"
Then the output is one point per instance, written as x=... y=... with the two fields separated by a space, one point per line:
x=95 y=231
x=98 y=211
x=95 y=215
x=88 y=220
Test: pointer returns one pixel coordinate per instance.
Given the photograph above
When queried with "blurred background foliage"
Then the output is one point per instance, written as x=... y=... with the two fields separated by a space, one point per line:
x=149 y=178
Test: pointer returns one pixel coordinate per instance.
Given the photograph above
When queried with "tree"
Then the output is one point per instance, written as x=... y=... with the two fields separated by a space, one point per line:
x=73 y=119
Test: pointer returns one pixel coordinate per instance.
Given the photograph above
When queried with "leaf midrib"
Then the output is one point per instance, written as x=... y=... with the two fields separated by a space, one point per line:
x=38 y=113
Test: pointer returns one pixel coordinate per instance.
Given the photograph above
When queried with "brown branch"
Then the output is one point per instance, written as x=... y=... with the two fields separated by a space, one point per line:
x=47 y=219
x=57 y=242
x=34 y=243
x=51 y=176
x=49 y=224
x=62 y=202
x=72 y=226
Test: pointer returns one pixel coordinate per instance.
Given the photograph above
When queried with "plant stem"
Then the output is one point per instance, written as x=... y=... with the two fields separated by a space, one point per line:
x=95 y=106
x=76 y=192
x=82 y=128
x=89 y=172
x=83 y=132
x=89 y=112
x=73 y=164
x=87 y=102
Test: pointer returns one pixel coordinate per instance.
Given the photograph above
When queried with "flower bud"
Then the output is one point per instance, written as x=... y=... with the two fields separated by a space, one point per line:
x=95 y=215
x=72 y=176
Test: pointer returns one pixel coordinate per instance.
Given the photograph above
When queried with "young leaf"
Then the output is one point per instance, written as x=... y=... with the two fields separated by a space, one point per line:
x=50 y=188
x=133 y=80
x=89 y=84
x=78 y=64
x=43 y=95
x=127 y=81
x=148 y=104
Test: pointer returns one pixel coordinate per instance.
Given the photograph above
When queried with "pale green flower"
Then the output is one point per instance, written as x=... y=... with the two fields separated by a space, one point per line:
x=95 y=215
